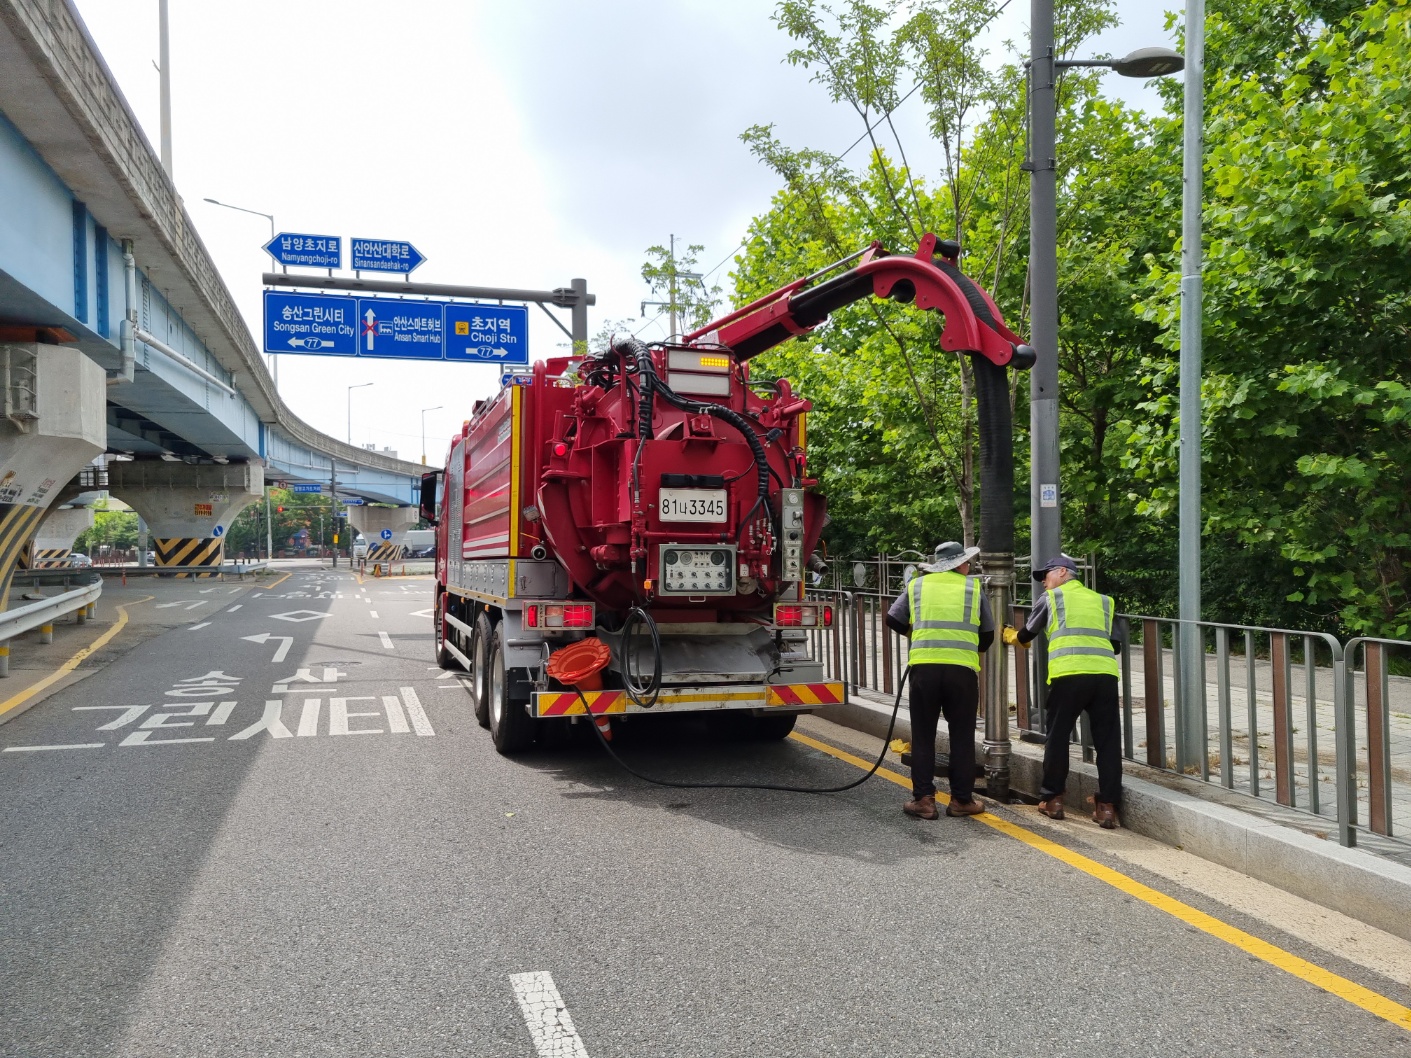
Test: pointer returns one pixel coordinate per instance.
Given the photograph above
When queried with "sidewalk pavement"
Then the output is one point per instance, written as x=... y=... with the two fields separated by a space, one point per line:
x=1282 y=847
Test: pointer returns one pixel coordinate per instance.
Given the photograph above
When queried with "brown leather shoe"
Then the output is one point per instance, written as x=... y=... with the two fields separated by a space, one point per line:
x=1053 y=807
x=922 y=807
x=1105 y=815
x=972 y=807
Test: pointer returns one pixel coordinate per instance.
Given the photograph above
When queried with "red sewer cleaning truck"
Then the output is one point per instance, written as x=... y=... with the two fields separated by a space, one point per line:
x=657 y=499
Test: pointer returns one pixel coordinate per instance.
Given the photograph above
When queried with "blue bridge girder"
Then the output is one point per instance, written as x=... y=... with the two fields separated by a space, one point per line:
x=78 y=181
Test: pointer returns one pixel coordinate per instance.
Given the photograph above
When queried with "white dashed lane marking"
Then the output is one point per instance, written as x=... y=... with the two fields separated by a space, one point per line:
x=40 y=749
x=546 y=1016
x=386 y=639
x=203 y=624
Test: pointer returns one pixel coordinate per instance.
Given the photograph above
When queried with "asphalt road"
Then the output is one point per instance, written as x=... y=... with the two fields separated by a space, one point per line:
x=353 y=870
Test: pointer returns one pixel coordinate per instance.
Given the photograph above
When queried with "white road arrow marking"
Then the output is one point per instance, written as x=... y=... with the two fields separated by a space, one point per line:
x=285 y=642
x=371 y=329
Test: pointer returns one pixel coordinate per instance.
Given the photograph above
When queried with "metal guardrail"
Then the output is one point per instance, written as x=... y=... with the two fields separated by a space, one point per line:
x=1292 y=717
x=42 y=614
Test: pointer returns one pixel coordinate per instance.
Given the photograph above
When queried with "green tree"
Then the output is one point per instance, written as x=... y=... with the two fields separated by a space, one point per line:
x=1308 y=227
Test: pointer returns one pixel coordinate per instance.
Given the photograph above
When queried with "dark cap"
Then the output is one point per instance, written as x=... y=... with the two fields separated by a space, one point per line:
x=1060 y=560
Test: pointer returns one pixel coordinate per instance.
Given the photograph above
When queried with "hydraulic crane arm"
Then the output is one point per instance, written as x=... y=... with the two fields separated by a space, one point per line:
x=931 y=278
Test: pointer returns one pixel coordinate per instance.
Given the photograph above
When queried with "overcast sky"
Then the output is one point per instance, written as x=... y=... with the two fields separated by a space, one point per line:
x=514 y=144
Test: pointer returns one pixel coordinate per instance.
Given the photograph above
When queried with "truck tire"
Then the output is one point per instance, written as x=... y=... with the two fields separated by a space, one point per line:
x=481 y=644
x=443 y=656
x=773 y=728
x=510 y=726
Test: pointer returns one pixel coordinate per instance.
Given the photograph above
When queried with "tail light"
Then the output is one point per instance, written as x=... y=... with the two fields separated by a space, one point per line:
x=803 y=615
x=547 y=615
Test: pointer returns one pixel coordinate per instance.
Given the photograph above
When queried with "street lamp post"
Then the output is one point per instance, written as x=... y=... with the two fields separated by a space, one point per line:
x=1190 y=746
x=360 y=385
x=1046 y=536
x=274 y=360
x=423 y=430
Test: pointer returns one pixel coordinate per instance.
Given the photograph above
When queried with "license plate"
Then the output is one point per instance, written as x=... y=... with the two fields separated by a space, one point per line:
x=692 y=505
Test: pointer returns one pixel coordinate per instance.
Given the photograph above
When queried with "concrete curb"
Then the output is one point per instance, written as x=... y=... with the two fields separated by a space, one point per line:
x=1355 y=883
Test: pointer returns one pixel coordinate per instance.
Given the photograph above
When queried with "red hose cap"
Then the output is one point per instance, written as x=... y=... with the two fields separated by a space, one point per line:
x=579 y=664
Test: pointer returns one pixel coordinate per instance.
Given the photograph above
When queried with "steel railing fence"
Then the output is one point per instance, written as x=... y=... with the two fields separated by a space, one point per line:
x=1293 y=717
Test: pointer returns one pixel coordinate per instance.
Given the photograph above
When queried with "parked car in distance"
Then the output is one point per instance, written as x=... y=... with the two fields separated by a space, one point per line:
x=77 y=561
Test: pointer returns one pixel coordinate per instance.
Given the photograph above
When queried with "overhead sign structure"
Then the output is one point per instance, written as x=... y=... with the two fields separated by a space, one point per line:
x=384 y=328
x=309 y=486
x=306 y=251
x=384 y=255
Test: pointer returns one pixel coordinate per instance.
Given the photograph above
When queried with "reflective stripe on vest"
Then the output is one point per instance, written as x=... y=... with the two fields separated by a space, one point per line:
x=945 y=620
x=1079 y=632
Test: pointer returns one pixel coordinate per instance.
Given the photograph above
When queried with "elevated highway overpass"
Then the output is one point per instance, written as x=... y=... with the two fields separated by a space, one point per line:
x=118 y=337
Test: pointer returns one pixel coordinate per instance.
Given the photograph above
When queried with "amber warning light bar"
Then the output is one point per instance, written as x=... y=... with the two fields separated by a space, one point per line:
x=803 y=615
x=553 y=615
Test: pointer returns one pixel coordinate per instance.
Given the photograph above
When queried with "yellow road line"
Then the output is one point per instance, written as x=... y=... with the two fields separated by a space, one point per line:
x=73 y=662
x=281 y=580
x=1372 y=1002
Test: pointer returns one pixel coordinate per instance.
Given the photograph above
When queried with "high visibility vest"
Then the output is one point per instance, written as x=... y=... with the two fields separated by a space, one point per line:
x=945 y=620
x=1079 y=632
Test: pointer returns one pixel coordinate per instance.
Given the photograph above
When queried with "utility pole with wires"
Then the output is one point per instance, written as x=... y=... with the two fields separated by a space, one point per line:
x=667 y=275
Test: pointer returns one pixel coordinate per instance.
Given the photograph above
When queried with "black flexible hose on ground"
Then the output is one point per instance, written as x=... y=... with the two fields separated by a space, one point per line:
x=891 y=726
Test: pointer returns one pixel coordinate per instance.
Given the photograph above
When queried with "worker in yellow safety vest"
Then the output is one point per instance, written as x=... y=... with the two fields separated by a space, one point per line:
x=1082 y=675
x=947 y=616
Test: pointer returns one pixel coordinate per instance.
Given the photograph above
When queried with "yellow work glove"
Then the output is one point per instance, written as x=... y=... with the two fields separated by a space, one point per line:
x=898 y=745
x=1011 y=638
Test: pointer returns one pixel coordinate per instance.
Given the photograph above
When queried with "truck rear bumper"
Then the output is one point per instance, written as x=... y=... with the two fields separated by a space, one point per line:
x=785 y=696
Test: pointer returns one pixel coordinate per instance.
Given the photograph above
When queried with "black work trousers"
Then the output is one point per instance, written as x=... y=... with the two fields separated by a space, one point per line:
x=952 y=691
x=1068 y=696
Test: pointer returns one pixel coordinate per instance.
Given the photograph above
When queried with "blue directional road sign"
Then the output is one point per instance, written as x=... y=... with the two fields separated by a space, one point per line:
x=321 y=324
x=386 y=329
x=386 y=534
x=401 y=330
x=310 y=486
x=306 y=251
x=487 y=333
x=384 y=255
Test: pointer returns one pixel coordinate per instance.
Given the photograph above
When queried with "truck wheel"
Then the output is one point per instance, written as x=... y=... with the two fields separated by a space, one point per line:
x=443 y=656
x=480 y=644
x=510 y=726
x=773 y=728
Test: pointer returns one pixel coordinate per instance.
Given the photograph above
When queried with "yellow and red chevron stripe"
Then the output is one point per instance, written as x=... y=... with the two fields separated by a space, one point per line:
x=567 y=703
x=805 y=694
x=689 y=699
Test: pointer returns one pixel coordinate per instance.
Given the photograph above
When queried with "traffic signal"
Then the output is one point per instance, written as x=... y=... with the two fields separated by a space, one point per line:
x=279 y=510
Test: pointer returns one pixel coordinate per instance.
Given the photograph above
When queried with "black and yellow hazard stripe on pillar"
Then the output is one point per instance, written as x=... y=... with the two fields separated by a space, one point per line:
x=17 y=526
x=49 y=557
x=26 y=556
x=386 y=553
x=190 y=554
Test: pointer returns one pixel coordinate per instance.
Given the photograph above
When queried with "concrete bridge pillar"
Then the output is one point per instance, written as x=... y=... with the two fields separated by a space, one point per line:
x=53 y=542
x=54 y=422
x=372 y=521
x=187 y=507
